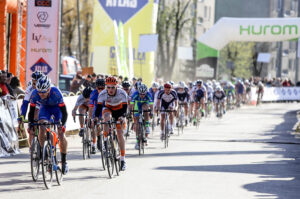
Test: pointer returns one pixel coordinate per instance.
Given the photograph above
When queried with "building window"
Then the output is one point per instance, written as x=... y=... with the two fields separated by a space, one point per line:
x=209 y=13
x=205 y=11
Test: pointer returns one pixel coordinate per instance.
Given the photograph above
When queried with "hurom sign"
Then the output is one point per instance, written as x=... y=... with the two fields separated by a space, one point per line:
x=246 y=29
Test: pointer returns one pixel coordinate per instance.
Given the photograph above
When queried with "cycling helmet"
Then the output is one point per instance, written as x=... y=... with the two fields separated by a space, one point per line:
x=181 y=84
x=29 y=83
x=100 y=83
x=199 y=81
x=218 y=88
x=43 y=84
x=137 y=85
x=171 y=82
x=167 y=85
x=142 y=89
x=87 y=92
x=155 y=85
x=111 y=81
x=126 y=84
x=37 y=75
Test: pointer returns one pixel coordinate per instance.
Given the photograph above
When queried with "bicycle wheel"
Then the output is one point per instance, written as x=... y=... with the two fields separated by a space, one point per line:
x=101 y=151
x=140 y=138
x=117 y=155
x=88 y=142
x=109 y=159
x=35 y=157
x=58 y=166
x=166 y=133
x=84 y=145
x=47 y=165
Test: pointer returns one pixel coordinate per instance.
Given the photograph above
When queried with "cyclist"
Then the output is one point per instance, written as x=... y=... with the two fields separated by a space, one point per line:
x=114 y=102
x=191 y=109
x=30 y=88
x=82 y=104
x=100 y=86
x=200 y=96
x=153 y=89
x=229 y=90
x=260 y=91
x=166 y=100
x=210 y=93
x=219 y=97
x=141 y=99
x=127 y=88
x=239 y=87
x=183 y=98
x=51 y=104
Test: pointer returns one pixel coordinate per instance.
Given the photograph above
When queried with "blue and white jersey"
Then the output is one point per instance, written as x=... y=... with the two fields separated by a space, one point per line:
x=26 y=99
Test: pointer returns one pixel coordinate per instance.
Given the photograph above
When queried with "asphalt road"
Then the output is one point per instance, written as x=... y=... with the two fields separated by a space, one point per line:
x=250 y=153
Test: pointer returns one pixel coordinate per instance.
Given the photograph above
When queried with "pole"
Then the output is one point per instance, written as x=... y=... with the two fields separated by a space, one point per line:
x=279 y=49
x=194 y=44
x=79 y=35
x=297 y=52
x=60 y=37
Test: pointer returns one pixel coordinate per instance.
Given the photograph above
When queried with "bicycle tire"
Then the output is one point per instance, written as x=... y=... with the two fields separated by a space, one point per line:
x=109 y=159
x=101 y=151
x=58 y=171
x=117 y=155
x=47 y=165
x=35 y=157
x=88 y=142
x=140 y=138
x=84 y=146
x=166 y=133
x=128 y=129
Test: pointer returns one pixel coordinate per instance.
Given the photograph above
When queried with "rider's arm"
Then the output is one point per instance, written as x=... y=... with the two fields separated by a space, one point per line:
x=98 y=109
x=64 y=113
x=31 y=112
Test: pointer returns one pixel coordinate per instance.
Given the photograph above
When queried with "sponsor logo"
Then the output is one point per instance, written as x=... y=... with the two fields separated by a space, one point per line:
x=41 y=50
x=41 y=65
x=122 y=10
x=42 y=16
x=295 y=91
x=38 y=38
x=269 y=29
x=42 y=3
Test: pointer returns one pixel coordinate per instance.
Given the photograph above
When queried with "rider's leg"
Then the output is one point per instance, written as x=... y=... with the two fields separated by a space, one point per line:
x=121 y=140
x=146 y=107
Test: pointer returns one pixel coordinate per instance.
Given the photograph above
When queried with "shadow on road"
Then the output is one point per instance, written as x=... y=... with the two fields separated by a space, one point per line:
x=280 y=179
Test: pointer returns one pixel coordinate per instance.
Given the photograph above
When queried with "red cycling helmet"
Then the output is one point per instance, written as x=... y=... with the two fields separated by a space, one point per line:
x=167 y=85
x=111 y=81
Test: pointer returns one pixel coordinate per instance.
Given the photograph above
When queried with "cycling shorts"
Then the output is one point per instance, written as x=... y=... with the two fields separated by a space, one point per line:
x=116 y=114
x=47 y=111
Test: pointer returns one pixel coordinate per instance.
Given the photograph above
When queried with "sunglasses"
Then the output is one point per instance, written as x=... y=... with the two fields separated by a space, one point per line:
x=100 y=88
x=42 y=92
x=168 y=87
x=142 y=94
x=110 y=87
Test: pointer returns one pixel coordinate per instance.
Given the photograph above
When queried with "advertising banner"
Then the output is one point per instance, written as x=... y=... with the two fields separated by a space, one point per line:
x=42 y=38
x=137 y=15
x=245 y=30
x=278 y=94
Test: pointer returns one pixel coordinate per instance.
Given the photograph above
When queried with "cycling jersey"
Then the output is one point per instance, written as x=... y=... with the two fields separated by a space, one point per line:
x=52 y=105
x=152 y=93
x=199 y=93
x=167 y=100
x=26 y=100
x=210 y=92
x=116 y=104
x=240 y=88
x=81 y=101
x=183 y=96
x=229 y=90
x=138 y=102
x=93 y=101
x=219 y=96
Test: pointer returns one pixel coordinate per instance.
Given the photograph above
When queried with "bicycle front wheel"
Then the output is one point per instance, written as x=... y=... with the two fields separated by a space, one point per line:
x=84 y=146
x=101 y=151
x=47 y=165
x=35 y=157
x=109 y=159
x=58 y=166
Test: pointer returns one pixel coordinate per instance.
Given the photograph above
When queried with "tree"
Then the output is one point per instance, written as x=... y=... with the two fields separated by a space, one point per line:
x=171 y=19
x=236 y=59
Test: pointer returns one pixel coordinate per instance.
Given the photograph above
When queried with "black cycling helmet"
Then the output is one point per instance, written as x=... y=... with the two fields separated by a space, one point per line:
x=100 y=83
x=87 y=92
x=126 y=84
x=37 y=75
x=137 y=84
x=199 y=81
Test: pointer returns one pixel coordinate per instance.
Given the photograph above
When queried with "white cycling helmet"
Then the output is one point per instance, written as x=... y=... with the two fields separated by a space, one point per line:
x=218 y=88
x=142 y=89
x=43 y=84
x=155 y=85
x=181 y=84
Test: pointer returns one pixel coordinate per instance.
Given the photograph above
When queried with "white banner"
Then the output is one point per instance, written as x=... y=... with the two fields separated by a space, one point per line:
x=278 y=94
x=42 y=38
x=250 y=29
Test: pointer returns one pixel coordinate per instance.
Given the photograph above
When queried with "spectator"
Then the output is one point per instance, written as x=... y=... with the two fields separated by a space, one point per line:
x=120 y=79
x=15 y=85
x=3 y=89
x=76 y=82
x=286 y=83
x=88 y=81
